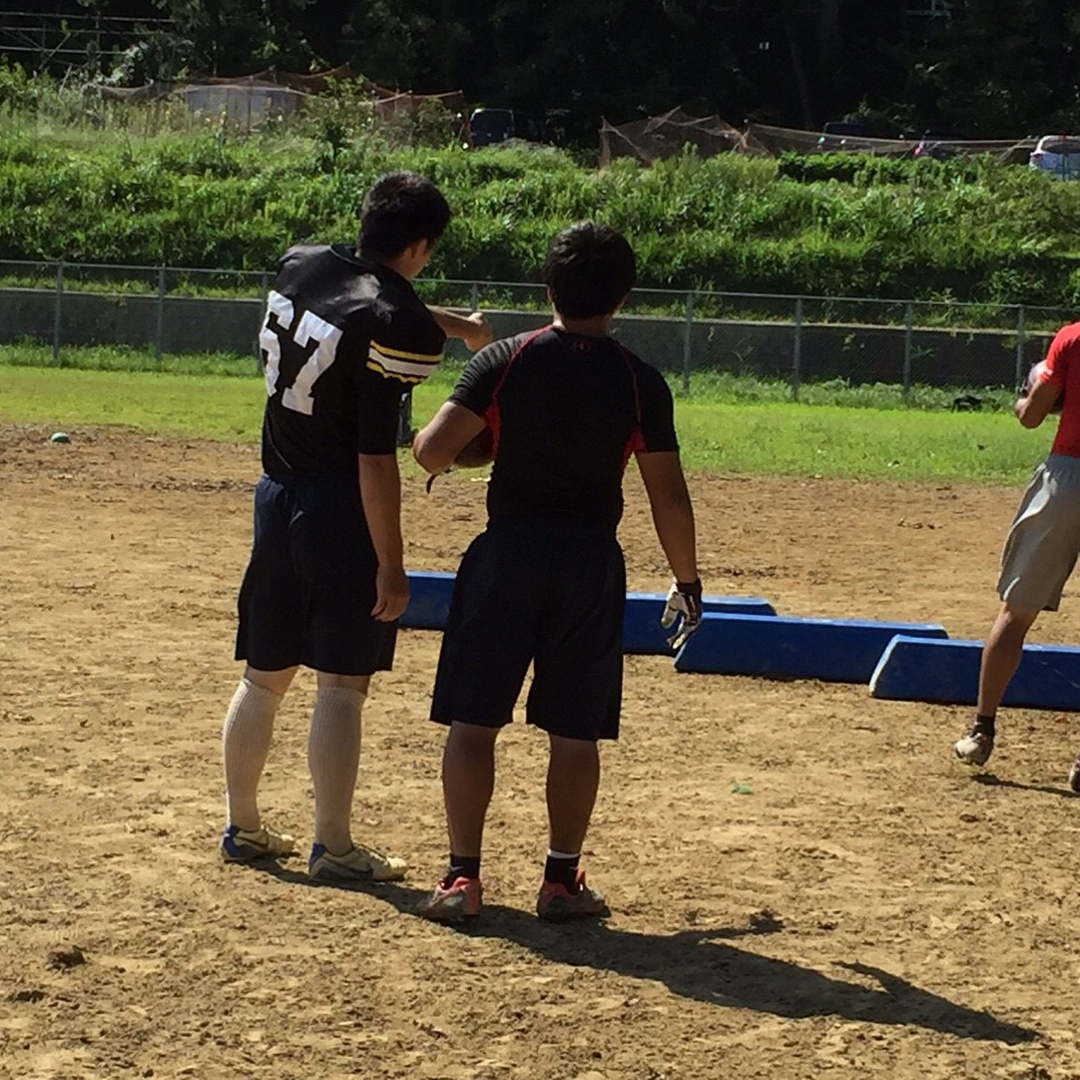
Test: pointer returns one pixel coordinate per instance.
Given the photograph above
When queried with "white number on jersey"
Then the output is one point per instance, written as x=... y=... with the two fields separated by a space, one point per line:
x=317 y=341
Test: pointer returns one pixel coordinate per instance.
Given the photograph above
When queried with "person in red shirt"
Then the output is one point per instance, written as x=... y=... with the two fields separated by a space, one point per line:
x=1043 y=542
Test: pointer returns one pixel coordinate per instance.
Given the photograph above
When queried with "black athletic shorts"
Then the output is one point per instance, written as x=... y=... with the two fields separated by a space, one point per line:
x=309 y=588
x=550 y=594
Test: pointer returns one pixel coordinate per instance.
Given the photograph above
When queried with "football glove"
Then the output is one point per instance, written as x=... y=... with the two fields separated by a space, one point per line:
x=683 y=604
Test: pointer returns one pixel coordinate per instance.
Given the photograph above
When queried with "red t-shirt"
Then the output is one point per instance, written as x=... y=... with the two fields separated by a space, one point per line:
x=1062 y=368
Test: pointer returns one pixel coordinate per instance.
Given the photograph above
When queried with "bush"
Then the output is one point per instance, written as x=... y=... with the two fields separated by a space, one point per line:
x=823 y=224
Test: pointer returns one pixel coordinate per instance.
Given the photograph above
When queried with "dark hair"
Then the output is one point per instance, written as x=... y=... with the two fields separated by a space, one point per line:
x=399 y=209
x=589 y=269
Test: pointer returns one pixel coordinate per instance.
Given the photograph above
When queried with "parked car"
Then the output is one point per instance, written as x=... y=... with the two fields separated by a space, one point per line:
x=490 y=126
x=1058 y=156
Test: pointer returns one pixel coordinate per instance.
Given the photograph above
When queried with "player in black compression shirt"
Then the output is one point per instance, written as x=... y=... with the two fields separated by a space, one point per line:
x=545 y=583
x=344 y=335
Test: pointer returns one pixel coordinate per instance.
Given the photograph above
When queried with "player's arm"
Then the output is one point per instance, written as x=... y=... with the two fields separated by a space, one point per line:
x=449 y=431
x=672 y=511
x=380 y=483
x=380 y=493
x=673 y=519
x=1045 y=382
x=461 y=418
x=1034 y=408
x=657 y=456
x=472 y=329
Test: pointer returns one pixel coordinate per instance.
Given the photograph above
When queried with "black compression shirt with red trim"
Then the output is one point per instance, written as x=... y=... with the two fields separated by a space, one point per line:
x=566 y=411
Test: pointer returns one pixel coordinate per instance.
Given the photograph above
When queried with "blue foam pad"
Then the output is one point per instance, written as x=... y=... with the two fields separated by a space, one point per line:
x=642 y=632
x=914 y=669
x=429 y=606
x=836 y=650
x=429 y=600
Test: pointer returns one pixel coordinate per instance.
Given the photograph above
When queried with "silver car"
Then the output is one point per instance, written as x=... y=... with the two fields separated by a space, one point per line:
x=1058 y=156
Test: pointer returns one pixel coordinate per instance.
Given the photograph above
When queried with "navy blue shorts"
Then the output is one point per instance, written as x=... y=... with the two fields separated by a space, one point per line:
x=547 y=594
x=309 y=587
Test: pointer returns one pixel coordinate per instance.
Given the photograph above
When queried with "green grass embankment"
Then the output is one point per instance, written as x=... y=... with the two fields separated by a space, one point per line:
x=842 y=225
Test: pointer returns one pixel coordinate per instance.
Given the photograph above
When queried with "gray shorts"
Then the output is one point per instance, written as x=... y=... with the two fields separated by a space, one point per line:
x=1041 y=547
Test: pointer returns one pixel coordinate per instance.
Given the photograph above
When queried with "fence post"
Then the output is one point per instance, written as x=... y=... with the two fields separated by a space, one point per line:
x=474 y=297
x=265 y=280
x=908 y=321
x=159 y=329
x=1019 y=346
x=58 y=308
x=688 y=334
x=796 y=361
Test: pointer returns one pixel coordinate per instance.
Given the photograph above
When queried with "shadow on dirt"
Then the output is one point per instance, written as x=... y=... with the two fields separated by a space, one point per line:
x=988 y=779
x=695 y=963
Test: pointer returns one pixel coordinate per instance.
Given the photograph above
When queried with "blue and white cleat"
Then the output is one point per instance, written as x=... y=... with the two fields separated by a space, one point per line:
x=359 y=863
x=240 y=845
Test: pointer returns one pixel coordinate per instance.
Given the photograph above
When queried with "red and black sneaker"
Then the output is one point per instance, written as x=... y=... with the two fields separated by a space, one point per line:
x=556 y=903
x=453 y=903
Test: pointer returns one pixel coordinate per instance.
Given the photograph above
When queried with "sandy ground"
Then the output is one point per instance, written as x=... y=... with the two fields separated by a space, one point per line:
x=871 y=909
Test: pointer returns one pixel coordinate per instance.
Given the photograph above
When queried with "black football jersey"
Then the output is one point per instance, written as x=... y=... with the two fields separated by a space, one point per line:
x=566 y=411
x=341 y=341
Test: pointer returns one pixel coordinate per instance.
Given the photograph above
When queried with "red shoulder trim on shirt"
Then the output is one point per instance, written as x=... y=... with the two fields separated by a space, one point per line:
x=636 y=441
x=491 y=414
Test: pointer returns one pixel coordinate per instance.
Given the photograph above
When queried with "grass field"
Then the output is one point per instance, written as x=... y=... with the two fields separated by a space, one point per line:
x=725 y=424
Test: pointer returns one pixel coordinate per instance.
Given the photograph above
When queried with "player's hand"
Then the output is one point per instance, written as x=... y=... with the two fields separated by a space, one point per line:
x=391 y=593
x=683 y=604
x=481 y=336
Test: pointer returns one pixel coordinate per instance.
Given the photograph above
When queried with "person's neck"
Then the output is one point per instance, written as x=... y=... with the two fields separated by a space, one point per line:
x=400 y=265
x=595 y=326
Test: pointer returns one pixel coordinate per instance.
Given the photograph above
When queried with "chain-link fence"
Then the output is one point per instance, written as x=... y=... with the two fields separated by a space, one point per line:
x=796 y=339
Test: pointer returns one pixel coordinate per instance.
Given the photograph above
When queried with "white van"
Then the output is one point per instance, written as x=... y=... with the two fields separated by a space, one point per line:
x=1057 y=155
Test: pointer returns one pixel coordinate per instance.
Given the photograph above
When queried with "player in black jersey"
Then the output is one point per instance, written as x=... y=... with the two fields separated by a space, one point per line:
x=344 y=336
x=545 y=583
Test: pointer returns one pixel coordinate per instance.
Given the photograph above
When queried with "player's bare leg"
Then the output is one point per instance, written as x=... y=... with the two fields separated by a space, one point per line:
x=246 y=737
x=334 y=760
x=468 y=776
x=573 y=780
x=1000 y=658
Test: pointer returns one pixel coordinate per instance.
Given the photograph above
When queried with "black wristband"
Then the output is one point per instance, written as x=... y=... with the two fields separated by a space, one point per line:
x=690 y=588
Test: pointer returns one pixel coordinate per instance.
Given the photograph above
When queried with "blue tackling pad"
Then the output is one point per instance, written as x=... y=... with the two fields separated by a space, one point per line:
x=429 y=600
x=835 y=650
x=914 y=669
x=643 y=634
x=429 y=606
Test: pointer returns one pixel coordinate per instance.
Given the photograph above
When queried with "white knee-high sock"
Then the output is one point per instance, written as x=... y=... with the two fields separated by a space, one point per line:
x=245 y=741
x=334 y=758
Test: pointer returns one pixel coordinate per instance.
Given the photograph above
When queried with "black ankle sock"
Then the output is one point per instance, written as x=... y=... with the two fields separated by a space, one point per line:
x=984 y=725
x=562 y=871
x=466 y=866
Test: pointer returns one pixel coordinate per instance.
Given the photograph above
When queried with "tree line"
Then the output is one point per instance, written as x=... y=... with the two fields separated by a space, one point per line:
x=962 y=68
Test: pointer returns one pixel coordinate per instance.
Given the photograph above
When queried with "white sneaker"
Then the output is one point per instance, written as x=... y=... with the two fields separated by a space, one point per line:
x=240 y=845
x=357 y=864
x=974 y=748
x=1074 y=776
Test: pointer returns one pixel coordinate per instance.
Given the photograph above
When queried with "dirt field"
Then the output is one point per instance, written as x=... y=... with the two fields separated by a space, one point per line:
x=871 y=909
